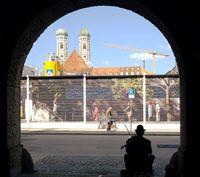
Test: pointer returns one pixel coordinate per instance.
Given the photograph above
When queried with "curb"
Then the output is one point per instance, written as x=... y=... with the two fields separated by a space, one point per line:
x=76 y=132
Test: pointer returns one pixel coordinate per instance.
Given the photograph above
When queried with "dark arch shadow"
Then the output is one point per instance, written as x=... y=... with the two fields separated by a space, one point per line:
x=43 y=20
x=52 y=11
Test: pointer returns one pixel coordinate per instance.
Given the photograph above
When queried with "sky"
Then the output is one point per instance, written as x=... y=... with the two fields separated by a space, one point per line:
x=107 y=26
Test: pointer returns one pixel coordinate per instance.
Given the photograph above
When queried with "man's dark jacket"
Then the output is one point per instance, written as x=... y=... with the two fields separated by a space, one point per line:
x=138 y=147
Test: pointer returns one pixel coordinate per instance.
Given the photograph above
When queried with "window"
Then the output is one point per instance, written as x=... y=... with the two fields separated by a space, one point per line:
x=61 y=45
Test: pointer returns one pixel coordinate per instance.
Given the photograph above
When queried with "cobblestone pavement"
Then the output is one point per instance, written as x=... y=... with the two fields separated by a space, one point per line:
x=86 y=166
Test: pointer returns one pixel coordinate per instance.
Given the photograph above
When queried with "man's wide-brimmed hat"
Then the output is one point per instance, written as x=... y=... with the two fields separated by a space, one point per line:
x=140 y=128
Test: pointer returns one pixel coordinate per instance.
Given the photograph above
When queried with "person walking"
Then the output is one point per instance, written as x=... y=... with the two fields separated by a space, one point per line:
x=102 y=120
x=138 y=157
x=157 y=112
x=95 y=113
x=150 y=111
x=55 y=104
x=109 y=117
x=129 y=111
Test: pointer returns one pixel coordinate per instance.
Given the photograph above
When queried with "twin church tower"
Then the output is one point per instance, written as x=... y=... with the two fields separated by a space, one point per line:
x=78 y=63
x=62 y=45
x=62 y=63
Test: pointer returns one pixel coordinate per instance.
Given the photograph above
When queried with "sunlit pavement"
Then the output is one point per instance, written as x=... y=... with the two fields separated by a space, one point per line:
x=92 y=166
x=163 y=128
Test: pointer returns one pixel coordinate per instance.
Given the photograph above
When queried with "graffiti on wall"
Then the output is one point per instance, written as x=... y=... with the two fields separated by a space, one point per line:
x=62 y=99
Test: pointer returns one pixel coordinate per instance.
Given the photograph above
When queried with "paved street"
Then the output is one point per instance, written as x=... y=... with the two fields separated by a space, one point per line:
x=90 y=155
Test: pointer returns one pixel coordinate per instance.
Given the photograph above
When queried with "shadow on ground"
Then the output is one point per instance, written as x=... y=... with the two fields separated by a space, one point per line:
x=87 y=166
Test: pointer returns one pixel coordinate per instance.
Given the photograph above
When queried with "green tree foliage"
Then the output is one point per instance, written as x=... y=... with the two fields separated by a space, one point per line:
x=121 y=86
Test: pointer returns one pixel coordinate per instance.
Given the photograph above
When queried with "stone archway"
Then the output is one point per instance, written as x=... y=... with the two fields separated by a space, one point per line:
x=46 y=13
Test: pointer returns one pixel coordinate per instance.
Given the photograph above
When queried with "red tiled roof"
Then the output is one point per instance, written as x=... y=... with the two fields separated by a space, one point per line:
x=74 y=64
x=131 y=70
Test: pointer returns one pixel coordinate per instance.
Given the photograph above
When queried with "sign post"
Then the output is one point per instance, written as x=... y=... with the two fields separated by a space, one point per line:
x=144 y=99
x=84 y=99
x=28 y=103
x=131 y=95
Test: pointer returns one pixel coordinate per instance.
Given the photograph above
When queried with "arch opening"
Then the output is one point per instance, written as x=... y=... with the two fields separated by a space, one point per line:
x=24 y=47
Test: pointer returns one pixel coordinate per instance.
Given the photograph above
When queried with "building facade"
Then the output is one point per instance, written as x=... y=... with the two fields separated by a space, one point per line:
x=31 y=71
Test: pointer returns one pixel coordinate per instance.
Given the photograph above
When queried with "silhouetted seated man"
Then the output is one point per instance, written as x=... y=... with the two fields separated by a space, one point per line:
x=139 y=157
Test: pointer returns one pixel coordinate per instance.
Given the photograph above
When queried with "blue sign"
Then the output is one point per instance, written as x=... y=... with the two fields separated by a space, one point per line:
x=49 y=72
x=131 y=92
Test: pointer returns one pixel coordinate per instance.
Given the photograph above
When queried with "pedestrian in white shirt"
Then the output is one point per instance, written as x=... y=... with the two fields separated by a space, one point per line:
x=157 y=112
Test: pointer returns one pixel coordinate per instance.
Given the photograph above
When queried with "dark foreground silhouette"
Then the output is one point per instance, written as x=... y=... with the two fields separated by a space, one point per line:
x=138 y=158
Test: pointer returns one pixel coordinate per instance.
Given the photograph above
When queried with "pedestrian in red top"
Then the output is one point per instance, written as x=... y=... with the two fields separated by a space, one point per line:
x=95 y=113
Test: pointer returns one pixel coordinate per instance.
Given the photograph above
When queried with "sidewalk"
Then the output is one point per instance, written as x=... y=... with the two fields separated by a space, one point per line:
x=152 y=128
x=87 y=166
x=92 y=166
